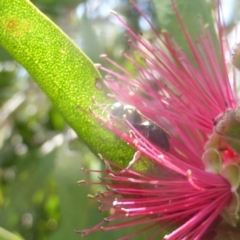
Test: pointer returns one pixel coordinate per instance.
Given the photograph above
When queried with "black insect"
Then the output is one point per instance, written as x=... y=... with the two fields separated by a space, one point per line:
x=126 y=112
x=155 y=134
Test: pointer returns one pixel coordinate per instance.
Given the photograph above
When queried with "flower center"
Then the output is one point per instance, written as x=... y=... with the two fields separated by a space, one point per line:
x=221 y=156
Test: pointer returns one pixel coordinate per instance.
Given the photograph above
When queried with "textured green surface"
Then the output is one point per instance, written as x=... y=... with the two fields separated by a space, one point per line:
x=63 y=72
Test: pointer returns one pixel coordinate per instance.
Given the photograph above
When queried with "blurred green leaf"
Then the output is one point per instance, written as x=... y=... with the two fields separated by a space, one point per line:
x=6 y=235
x=195 y=16
x=24 y=201
x=4 y=55
x=90 y=39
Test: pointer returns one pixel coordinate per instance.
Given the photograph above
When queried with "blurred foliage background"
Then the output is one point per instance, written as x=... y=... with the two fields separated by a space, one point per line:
x=40 y=156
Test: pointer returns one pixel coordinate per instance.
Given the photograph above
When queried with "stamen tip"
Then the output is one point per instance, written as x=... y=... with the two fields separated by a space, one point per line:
x=161 y=156
x=206 y=25
x=103 y=55
x=81 y=182
x=112 y=211
x=98 y=65
x=113 y=12
x=106 y=220
x=90 y=196
x=83 y=233
x=103 y=228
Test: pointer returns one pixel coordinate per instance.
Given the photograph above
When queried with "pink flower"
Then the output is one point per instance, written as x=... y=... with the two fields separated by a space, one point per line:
x=189 y=191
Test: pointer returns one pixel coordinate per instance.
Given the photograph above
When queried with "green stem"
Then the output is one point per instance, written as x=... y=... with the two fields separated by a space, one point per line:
x=63 y=72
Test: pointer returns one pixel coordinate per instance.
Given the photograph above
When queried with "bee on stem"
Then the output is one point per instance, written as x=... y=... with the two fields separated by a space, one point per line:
x=155 y=134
